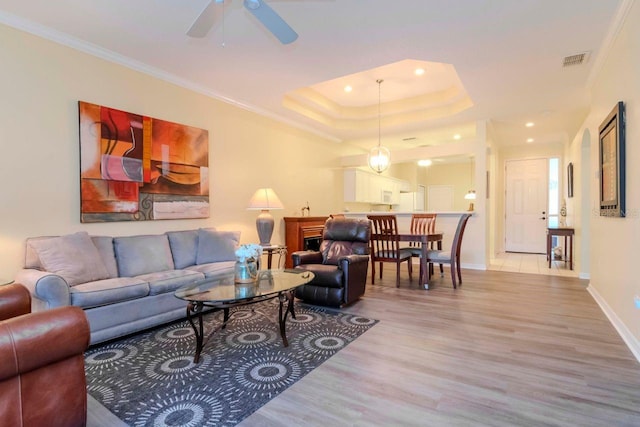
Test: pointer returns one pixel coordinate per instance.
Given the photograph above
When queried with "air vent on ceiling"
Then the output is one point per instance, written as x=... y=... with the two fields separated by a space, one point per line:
x=411 y=138
x=577 y=59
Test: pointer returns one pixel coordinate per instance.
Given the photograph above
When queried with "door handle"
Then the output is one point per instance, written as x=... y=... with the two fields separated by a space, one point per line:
x=542 y=218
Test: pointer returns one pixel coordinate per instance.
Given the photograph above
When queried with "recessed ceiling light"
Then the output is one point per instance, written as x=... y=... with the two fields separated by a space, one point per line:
x=426 y=162
x=457 y=136
x=348 y=88
x=419 y=71
x=530 y=140
x=529 y=124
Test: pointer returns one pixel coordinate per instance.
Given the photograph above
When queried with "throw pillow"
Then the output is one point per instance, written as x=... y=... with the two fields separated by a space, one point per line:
x=143 y=254
x=74 y=257
x=216 y=246
x=184 y=247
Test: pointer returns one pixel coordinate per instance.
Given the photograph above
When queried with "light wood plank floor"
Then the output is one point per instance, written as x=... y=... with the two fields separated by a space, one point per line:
x=506 y=349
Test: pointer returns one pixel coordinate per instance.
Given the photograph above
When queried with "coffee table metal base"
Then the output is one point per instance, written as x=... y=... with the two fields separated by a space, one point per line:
x=195 y=311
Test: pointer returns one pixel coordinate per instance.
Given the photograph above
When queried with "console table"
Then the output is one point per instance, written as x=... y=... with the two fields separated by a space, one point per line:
x=299 y=228
x=561 y=231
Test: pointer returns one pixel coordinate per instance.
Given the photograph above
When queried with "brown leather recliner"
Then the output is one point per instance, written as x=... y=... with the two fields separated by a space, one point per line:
x=340 y=266
x=42 y=378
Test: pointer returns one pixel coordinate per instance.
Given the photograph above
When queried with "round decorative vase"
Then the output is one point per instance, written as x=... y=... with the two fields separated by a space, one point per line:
x=246 y=290
x=246 y=271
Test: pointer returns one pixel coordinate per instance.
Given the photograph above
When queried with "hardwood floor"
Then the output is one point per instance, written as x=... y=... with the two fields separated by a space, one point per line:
x=505 y=349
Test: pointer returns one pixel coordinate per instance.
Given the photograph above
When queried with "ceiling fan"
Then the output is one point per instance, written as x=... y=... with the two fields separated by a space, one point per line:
x=213 y=12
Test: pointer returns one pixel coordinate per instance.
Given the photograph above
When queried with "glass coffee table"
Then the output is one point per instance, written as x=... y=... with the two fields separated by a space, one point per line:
x=220 y=292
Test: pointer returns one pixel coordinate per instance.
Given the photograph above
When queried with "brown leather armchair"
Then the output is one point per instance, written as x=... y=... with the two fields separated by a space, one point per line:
x=340 y=266
x=42 y=379
x=15 y=300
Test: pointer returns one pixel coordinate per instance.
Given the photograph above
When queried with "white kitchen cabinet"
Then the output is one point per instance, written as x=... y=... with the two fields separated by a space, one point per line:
x=364 y=187
x=356 y=186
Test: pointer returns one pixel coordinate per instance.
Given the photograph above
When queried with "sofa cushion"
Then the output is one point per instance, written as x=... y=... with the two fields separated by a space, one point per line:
x=110 y=291
x=104 y=244
x=137 y=255
x=74 y=257
x=215 y=246
x=168 y=281
x=212 y=268
x=184 y=247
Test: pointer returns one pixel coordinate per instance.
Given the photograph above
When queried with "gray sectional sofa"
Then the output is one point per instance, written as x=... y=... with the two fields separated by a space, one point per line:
x=123 y=284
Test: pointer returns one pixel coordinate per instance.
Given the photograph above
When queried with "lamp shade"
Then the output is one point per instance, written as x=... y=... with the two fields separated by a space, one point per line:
x=471 y=195
x=265 y=199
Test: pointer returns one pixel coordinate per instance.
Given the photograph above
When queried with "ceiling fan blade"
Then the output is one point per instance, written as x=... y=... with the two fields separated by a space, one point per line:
x=205 y=21
x=271 y=20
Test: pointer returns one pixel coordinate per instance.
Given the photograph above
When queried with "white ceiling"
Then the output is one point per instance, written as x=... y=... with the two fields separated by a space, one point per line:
x=507 y=54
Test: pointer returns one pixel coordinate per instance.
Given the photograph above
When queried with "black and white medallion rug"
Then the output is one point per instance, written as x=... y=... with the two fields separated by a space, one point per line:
x=149 y=379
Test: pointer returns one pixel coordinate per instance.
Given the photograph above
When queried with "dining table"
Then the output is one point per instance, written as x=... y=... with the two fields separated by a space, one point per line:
x=424 y=240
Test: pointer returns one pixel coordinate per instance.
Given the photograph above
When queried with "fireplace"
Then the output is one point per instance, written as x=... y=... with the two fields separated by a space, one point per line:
x=312 y=243
x=303 y=233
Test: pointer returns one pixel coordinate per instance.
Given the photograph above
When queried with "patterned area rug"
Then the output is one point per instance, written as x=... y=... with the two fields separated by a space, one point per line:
x=150 y=379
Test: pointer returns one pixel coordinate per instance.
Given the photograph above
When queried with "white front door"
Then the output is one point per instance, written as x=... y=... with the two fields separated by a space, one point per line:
x=526 y=199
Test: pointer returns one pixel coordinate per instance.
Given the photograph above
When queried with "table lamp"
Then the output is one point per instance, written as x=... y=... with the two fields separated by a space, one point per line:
x=265 y=199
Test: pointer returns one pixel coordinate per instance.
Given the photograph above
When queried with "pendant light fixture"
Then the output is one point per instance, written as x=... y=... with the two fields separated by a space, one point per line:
x=379 y=157
x=471 y=194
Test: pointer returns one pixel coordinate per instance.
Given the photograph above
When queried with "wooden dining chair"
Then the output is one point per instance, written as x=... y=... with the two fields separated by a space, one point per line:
x=423 y=223
x=451 y=257
x=385 y=247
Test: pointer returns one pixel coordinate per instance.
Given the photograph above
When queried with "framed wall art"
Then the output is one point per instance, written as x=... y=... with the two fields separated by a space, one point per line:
x=612 y=163
x=135 y=168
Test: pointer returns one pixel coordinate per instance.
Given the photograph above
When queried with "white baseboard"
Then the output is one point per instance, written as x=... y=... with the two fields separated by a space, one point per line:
x=585 y=276
x=473 y=266
x=626 y=335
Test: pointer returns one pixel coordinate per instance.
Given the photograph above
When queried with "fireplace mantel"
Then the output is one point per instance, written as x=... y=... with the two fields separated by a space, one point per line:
x=297 y=229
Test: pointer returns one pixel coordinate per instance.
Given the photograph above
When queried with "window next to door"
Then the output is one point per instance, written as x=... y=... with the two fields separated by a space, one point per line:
x=554 y=197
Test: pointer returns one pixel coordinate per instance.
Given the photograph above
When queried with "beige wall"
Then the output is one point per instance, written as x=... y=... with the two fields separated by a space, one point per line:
x=614 y=242
x=39 y=165
x=407 y=171
x=459 y=175
x=492 y=187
